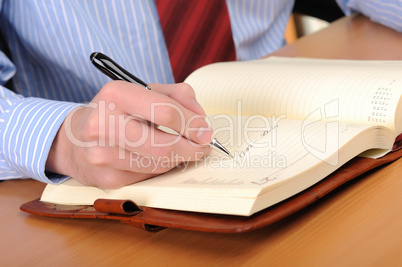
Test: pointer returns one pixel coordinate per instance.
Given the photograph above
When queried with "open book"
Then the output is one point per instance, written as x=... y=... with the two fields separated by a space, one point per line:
x=289 y=122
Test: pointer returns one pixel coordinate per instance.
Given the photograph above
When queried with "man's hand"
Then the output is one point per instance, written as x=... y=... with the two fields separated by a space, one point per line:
x=113 y=140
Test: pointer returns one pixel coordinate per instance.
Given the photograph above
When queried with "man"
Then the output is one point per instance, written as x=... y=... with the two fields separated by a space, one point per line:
x=47 y=135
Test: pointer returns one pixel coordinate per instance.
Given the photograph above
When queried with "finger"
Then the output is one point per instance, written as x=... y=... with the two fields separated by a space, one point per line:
x=123 y=160
x=163 y=144
x=118 y=158
x=148 y=141
x=159 y=109
x=182 y=93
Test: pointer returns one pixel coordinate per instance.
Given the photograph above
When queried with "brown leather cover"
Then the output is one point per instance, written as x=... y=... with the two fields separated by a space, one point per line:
x=152 y=219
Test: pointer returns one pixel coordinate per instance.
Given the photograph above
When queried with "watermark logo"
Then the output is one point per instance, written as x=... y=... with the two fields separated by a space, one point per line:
x=322 y=120
x=243 y=134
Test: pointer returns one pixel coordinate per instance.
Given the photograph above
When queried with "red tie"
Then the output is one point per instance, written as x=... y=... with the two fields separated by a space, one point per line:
x=197 y=33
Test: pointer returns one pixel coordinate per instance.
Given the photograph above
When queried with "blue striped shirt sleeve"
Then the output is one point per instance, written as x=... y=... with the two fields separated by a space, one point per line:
x=258 y=26
x=388 y=13
x=27 y=129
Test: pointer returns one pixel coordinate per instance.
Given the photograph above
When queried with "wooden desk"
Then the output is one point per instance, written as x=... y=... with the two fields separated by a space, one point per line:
x=357 y=225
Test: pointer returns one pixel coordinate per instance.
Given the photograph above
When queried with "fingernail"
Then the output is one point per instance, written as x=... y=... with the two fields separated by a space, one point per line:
x=204 y=135
x=197 y=107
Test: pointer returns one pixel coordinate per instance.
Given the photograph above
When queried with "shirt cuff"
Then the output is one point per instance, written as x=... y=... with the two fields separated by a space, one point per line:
x=28 y=136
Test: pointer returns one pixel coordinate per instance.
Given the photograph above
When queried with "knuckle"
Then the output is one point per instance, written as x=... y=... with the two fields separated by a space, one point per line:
x=109 y=90
x=168 y=115
x=184 y=89
x=112 y=92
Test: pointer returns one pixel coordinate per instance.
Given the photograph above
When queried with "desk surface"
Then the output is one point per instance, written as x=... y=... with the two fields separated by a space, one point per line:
x=359 y=224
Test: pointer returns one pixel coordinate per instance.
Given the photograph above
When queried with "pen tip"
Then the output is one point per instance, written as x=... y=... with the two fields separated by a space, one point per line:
x=219 y=147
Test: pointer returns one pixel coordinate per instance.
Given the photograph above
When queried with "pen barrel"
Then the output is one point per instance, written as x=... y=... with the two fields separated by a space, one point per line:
x=113 y=70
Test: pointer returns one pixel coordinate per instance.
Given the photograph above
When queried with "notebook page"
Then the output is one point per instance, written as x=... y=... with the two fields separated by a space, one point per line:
x=220 y=185
x=313 y=89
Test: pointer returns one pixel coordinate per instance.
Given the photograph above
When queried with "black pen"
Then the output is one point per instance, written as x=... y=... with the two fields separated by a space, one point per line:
x=116 y=72
x=113 y=70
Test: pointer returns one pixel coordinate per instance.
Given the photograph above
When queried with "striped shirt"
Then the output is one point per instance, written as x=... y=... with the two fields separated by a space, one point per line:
x=49 y=44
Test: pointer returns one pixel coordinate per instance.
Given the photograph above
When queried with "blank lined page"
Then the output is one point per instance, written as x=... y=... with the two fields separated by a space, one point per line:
x=317 y=89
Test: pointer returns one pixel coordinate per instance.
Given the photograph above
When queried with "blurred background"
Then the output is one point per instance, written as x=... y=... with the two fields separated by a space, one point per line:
x=310 y=16
x=300 y=25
